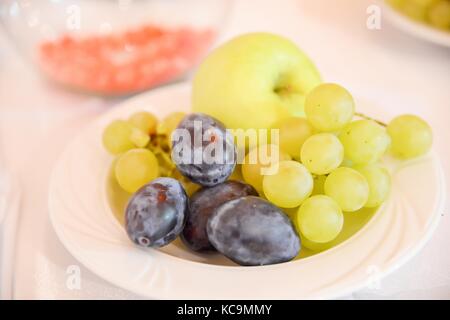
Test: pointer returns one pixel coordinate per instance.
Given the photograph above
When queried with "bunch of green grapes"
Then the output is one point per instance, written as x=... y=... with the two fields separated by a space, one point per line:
x=331 y=162
x=141 y=145
x=435 y=13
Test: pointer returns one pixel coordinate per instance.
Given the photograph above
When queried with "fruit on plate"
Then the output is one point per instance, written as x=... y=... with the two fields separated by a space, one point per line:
x=317 y=218
x=348 y=188
x=202 y=205
x=135 y=168
x=320 y=219
x=293 y=132
x=324 y=168
x=253 y=232
x=203 y=150
x=379 y=181
x=411 y=136
x=289 y=186
x=258 y=160
x=322 y=153
x=364 y=141
x=156 y=214
x=253 y=81
x=329 y=107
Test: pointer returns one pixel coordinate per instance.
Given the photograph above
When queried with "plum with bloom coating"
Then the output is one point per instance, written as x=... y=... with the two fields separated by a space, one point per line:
x=156 y=214
x=203 y=204
x=203 y=150
x=253 y=232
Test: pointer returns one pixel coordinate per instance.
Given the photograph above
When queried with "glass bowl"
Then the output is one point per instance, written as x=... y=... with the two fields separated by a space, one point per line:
x=113 y=47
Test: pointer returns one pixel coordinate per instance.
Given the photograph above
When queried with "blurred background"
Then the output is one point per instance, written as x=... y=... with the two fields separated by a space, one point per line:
x=51 y=52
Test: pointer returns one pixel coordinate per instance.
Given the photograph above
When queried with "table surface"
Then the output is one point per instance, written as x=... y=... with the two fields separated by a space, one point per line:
x=37 y=120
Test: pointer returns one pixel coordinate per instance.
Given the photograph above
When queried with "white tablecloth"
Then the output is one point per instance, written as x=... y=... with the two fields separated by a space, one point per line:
x=37 y=120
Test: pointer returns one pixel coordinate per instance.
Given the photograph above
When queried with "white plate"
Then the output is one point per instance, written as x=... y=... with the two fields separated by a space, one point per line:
x=85 y=222
x=415 y=28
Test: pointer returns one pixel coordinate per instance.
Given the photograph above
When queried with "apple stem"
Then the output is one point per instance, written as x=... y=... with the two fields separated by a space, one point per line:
x=361 y=115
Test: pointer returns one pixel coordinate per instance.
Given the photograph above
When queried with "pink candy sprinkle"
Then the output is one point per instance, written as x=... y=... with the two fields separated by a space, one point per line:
x=124 y=63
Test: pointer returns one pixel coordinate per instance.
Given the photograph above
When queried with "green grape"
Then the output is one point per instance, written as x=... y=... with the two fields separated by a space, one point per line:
x=254 y=164
x=439 y=14
x=319 y=182
x=322 y=153
x=348 y=188
x=135 y=168
x=364 y=141
x=379 y=181
x=329 y=107
x=289 y=186
x=145 y=121
x=293 y=133
x=320 y=219
x=116 y=137
x=411 y=136
x=139 y=138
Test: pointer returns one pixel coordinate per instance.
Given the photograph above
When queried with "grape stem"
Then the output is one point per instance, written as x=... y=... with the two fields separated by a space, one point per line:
x=361 y=115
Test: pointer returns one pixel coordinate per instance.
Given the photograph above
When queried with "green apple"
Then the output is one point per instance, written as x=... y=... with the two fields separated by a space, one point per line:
x=253 y=81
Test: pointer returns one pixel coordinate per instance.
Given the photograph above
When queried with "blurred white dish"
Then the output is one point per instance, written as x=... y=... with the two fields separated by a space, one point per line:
x=415 y=28
x=85 y=222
